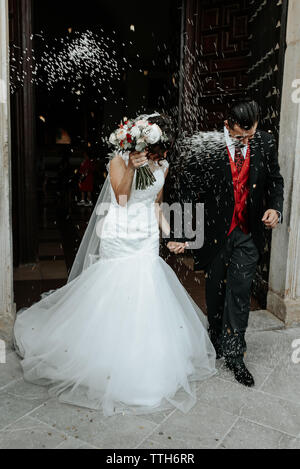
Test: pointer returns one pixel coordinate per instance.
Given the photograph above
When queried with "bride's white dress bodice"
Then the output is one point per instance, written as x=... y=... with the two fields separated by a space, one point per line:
x=133 y=229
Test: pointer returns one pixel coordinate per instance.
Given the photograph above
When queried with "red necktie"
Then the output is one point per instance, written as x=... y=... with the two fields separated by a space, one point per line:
x=238 y=159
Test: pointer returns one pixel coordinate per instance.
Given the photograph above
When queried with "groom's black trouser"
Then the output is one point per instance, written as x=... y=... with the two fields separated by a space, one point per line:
x=228 y=292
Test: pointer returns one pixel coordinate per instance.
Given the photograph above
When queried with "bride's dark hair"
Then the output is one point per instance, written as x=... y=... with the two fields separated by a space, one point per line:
x=168 y=128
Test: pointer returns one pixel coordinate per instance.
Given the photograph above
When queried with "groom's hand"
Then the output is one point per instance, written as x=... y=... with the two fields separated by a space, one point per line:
x=271 y=219
x=177 y=248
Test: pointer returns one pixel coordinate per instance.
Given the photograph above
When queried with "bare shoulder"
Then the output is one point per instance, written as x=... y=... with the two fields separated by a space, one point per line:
x=116 y=158
x=118 y=161
x=117 y=168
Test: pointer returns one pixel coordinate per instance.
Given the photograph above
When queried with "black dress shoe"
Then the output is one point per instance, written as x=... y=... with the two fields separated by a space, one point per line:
x=241 y=373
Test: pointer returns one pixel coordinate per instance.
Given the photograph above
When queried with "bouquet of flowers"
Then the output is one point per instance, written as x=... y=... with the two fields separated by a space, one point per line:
x=138 y=135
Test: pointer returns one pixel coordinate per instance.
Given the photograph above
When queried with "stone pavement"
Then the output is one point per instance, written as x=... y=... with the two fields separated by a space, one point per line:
x=227 y=415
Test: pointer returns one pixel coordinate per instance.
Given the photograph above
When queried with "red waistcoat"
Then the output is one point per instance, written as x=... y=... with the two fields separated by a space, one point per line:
x=241 y=193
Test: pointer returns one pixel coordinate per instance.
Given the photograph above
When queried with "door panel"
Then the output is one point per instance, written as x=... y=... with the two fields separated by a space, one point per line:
x=216 y=59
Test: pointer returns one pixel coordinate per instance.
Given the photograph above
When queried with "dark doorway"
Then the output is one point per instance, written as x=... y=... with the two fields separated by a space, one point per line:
x=224 y=54
x=68 y=119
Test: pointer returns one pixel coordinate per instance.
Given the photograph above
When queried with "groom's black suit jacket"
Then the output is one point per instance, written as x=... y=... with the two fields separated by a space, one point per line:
x=207 y=179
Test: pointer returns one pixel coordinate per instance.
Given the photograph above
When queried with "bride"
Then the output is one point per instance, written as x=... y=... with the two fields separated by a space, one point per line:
x=123 y=335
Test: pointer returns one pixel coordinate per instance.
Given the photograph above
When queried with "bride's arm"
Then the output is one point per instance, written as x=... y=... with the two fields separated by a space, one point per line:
x=121 y=176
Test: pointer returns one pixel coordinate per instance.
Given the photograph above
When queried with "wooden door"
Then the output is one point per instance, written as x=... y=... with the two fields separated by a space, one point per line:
x=216 y=59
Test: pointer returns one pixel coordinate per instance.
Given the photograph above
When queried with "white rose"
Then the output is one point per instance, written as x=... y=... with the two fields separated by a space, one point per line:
x=152 y=134
x=141 y=124
x=135 y=132
x=113 y=139
x=121 y=134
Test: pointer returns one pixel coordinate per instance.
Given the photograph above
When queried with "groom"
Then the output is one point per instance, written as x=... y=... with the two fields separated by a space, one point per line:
x=242 y=194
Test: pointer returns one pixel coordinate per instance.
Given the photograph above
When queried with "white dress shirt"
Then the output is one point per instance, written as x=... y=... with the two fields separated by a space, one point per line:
x=231 y=147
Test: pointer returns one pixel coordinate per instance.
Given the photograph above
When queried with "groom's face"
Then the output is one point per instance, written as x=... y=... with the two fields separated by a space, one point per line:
x=239 y=135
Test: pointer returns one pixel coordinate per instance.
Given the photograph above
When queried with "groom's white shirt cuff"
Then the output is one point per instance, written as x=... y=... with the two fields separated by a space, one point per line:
x=280 y=216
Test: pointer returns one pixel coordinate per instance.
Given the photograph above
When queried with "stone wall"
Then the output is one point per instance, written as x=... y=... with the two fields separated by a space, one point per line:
x=284 y=282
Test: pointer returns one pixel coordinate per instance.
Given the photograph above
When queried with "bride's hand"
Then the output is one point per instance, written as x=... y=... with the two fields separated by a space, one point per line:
x=177 y=248
x=137 y=159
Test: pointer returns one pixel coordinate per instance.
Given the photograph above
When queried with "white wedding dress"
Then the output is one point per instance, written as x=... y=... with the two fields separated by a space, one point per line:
x=124 y=336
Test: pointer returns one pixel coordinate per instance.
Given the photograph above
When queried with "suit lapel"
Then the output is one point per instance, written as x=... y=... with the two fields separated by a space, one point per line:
x=228 y=173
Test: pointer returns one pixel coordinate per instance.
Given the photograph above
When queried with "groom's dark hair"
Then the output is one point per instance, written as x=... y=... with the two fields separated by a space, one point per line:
x=243 y=113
